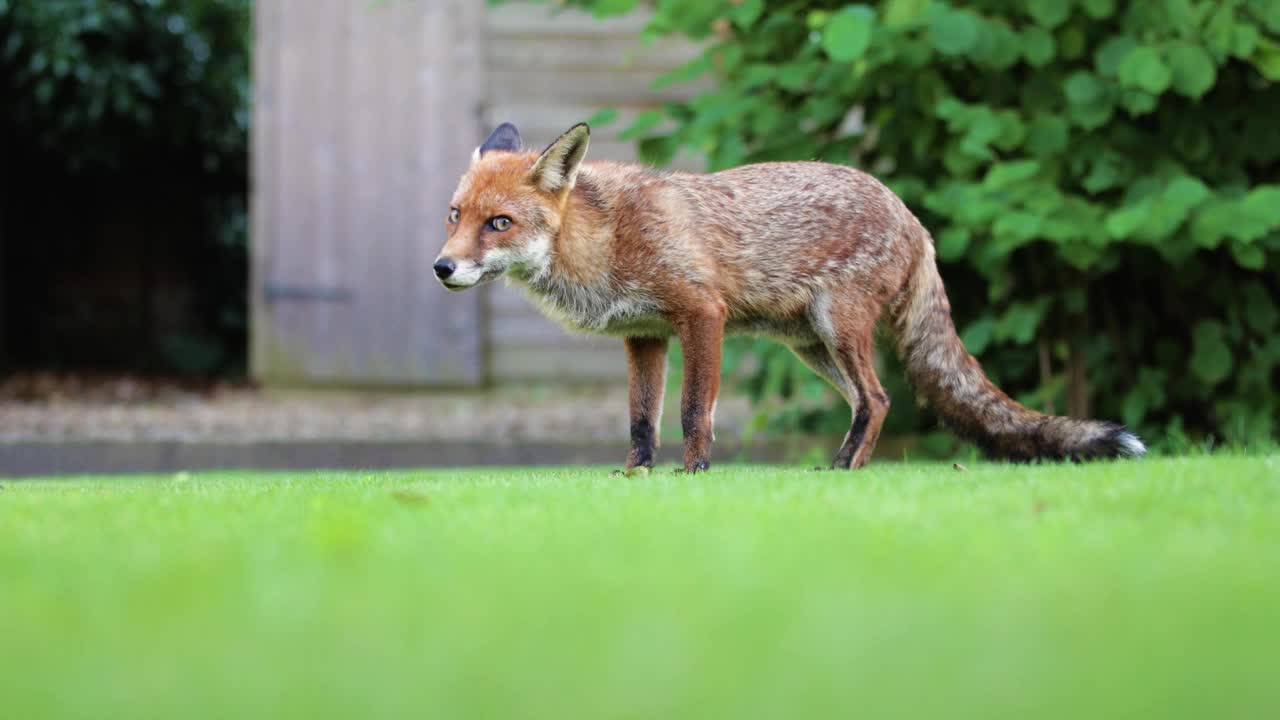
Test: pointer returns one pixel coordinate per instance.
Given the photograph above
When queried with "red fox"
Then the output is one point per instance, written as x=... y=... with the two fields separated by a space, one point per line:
x=807 y=253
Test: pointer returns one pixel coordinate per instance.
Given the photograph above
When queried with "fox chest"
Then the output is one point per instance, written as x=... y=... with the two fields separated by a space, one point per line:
x=620 y=314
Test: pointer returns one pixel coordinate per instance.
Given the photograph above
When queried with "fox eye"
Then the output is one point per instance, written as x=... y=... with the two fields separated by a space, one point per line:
x=454 y=215
x=500 y=223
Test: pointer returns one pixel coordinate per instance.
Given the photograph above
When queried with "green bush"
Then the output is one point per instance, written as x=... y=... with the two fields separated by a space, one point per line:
x=173 y=71
x=1102 y=180
x=125 y=125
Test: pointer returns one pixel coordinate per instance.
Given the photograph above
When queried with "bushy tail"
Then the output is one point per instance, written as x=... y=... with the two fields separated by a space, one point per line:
x=950 y=380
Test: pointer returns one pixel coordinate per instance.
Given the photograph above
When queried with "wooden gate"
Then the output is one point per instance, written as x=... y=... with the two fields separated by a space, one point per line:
x=365 y=114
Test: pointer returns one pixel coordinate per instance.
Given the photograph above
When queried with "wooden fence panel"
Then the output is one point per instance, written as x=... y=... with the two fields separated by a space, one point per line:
x=364 y=116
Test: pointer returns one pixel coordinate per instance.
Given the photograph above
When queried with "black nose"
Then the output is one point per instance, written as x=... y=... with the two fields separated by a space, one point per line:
x=444 y=268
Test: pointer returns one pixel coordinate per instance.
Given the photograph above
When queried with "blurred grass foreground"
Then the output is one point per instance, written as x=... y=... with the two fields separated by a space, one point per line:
x=1136 y=590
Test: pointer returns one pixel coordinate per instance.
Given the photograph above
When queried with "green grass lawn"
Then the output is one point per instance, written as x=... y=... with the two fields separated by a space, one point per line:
x=1142 y=589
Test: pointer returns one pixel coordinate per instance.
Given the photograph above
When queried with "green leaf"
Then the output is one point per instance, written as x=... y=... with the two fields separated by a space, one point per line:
x=644 y=122
x=1143 y=68
x=1038 y=46
x=900 y=13
x=758 y=74
x=1211 y=359
x=1266 y=57
x=999 y=47
x=1014 y=229
x=1179 y=13
x=1244 y=40
x=656 y=150
x=1128 y=220
x=1071 y=42
x=1083 y=88
x=1186 y=192
x=1090 y=99
x=1137 y=102
x=1112 y=52
x=604 y=116
x=977 y=336
x=1002 y=175
x=1135 y=407
x=1260 y=212
x=746 y=13
x=952 y=243
x=609 y=8
x=848 y=33
x=1020 y=322
x=1268 y=11
x=1098 y=9
x=1049 y=13
x=955 y=32
x=1109 y=170
x=1192 y=69
x=1213 y=222
x=1249 y=256
x=1047 y=135
x=689 y=71
x=796 y=76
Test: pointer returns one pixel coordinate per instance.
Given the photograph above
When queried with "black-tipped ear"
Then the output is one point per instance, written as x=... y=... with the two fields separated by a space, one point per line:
x=557 y=169
x=505 y=138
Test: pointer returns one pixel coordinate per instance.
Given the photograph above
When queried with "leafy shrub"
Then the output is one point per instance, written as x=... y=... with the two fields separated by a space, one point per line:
x=1102 y=180
x=126 y=132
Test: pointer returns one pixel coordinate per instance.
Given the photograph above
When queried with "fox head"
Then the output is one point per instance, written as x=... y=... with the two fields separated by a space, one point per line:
x=508 y=208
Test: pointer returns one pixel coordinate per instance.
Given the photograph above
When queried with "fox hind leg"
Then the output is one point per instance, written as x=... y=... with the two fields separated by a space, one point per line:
x=855 y=355
x=847 y=330
x=858 y=442
x=823 y=363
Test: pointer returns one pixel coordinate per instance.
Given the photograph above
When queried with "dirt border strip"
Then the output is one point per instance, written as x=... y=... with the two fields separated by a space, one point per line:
x=35 y=459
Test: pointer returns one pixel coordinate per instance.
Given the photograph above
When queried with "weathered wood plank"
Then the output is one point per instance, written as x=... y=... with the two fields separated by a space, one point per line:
x=542 y=19
x=448 y=328
x=365 y=117
x=585 y=86
x=598 y=52
x=576 y=365
x=517 y=330
x=263 y=170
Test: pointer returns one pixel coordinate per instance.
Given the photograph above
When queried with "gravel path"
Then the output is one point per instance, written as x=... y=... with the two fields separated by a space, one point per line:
x=48 y=408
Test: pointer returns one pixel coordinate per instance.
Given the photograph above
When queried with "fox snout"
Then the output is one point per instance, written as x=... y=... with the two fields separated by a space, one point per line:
x=444 y=267
x=457 y=274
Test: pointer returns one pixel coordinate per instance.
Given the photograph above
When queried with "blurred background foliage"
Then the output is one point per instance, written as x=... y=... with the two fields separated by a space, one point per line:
x=1102 y=180
x=122 y=211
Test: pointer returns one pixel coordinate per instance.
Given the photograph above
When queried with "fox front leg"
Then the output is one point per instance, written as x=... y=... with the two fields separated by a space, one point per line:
x=701 y=336
x=647 y=376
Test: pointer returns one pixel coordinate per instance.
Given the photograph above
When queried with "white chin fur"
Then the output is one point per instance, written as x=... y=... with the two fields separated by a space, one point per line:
x=464 y=276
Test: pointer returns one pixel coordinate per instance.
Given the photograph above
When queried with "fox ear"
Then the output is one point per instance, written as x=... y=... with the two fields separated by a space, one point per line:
x=557 y=168
x=505 y=138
